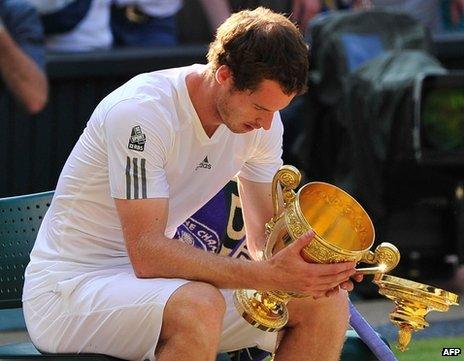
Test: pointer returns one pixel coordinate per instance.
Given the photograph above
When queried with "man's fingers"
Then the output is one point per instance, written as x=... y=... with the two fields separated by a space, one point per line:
x=332 y=291
x=333 y=269
x=303 y=241
x=347 y=286
x=326 y=286
x=318 y=295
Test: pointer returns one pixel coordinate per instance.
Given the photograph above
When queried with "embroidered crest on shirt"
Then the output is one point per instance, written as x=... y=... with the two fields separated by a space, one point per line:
x=198 y=234
x=205 y=164
x=137 y=139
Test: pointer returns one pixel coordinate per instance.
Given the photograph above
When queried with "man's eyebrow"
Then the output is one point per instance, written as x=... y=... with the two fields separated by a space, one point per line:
x=261 y=107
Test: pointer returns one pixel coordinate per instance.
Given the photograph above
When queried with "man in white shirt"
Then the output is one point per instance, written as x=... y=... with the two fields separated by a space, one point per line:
x=107 y=277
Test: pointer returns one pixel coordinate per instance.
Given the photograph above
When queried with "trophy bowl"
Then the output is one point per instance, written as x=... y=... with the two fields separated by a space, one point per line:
x=413 y=301
x=343 y=232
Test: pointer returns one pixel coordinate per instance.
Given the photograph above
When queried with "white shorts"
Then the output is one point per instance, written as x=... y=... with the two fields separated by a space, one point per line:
x=121 y=315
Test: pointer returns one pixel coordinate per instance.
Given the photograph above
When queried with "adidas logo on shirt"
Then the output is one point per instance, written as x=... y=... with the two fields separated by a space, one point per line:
x=204 y=164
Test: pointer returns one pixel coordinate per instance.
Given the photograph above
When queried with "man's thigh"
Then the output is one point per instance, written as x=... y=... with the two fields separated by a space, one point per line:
x=118 y=314
x=115 y=314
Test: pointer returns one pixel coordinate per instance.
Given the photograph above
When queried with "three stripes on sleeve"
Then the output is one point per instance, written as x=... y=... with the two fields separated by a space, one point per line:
x=136 y=178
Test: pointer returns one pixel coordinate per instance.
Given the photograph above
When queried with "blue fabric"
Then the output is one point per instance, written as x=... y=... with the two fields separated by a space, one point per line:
x=206 y=228
x=24 y=26
x=217 y=226
x=66 y=18
x=360 y=48
x=154 y=31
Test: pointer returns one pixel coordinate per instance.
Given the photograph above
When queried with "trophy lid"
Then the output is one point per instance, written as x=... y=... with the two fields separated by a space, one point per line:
x=410 y=289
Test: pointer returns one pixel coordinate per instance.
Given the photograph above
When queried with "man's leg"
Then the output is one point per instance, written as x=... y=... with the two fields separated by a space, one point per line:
x=114 y=313
x=316 y=329
x=192 y=323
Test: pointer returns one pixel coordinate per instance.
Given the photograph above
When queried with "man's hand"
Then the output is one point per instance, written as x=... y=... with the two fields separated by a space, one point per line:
x=318 y=280
x=347 y=286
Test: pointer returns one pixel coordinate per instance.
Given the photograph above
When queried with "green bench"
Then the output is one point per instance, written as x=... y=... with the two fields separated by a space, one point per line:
x=20 y=219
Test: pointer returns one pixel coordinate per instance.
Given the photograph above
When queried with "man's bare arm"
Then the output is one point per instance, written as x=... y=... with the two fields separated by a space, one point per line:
x=154 y=255
x=256 y=199
x=21 y=75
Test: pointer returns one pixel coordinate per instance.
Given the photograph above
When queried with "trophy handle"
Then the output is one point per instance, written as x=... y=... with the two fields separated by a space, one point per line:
x=289 y=178
x=386 y=256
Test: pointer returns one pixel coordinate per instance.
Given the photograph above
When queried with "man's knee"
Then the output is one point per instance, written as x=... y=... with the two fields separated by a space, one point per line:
x=195 y=308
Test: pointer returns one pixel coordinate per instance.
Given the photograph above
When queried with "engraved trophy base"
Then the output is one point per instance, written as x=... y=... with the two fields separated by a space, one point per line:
x=413 y=301
x=261 y=310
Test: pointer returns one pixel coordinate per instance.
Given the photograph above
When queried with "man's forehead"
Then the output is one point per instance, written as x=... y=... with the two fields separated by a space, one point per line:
x=268 y=95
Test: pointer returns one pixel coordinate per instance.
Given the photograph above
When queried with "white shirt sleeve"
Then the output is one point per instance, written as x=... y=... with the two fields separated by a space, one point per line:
x=138 y=139
x=266 y=157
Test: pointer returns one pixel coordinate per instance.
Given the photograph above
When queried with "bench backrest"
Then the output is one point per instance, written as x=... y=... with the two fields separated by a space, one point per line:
x=20 y=219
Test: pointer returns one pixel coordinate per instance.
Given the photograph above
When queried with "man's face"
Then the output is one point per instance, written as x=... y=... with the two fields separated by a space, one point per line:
x=244 y=111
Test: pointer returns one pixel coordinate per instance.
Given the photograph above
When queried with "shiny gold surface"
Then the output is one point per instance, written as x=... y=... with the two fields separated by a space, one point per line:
x=261 y=309
x=336 y=217
x=413 y=301
x=343 y=232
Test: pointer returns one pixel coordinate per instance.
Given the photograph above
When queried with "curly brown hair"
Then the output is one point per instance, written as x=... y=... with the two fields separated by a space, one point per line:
x=260 y=44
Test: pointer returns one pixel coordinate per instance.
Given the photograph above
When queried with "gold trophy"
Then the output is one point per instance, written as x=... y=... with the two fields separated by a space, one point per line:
x=343 y=232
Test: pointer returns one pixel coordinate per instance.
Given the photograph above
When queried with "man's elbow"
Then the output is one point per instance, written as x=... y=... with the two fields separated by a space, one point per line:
x=140 y=272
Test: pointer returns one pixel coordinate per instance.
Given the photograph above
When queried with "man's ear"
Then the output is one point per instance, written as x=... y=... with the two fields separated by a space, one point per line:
x=223 y=74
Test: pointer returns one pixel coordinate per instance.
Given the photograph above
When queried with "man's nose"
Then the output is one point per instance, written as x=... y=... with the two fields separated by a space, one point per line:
x=265 y=122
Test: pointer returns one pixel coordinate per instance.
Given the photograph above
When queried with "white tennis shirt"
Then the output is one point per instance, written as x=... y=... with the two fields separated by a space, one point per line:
x=144 y=140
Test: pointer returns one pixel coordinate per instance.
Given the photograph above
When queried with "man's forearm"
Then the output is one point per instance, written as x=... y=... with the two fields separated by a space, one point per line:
x=171 y=258
x=21 y=75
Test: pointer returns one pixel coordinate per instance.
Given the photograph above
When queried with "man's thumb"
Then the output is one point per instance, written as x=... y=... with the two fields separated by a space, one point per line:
x=304 y=240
